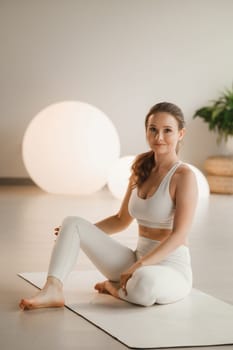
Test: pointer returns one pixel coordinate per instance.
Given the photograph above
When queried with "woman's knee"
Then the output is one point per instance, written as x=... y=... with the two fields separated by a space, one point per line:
x=140 y=289
x=72 y=221
x=146 y=289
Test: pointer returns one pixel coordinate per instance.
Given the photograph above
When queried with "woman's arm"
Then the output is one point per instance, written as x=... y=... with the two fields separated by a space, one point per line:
x=122 y=219
x=186 y=200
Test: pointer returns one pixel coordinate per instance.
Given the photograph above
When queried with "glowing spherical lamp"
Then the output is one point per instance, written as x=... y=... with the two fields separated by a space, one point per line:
x=69 y=147
x=119 y=176
x=203 y=196
x=202 y=183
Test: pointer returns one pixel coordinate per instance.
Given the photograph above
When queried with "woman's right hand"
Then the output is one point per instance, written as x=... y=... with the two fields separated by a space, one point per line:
x=56 y=230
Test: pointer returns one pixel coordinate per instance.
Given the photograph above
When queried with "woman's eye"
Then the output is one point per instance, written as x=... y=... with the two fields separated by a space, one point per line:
x=167 y=130
x=152 y=129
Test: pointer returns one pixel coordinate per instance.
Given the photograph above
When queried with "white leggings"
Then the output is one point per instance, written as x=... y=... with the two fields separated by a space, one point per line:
x=163 y=283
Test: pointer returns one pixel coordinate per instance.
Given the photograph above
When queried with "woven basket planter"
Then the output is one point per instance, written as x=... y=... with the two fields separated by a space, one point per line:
x=220 y=184
x=222 y=166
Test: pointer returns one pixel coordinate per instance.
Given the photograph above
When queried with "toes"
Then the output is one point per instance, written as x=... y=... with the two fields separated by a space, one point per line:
x=22 y=304
x=25 y=304
x=99 y=287
x=96 y=286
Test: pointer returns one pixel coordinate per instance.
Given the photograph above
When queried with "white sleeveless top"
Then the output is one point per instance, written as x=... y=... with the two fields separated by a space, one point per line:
x=158 y=210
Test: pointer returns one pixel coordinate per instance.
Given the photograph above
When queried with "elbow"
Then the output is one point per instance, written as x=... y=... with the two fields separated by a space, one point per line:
x=124 y=221
x=180 y=237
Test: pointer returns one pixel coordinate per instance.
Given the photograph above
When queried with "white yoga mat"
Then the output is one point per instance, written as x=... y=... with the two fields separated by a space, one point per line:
x=197 y=320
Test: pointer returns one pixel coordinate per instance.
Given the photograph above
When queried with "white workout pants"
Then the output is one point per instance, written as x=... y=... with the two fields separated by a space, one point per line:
x=166 y=282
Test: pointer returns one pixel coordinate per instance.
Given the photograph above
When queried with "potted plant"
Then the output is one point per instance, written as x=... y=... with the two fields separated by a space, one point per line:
x=219 y=116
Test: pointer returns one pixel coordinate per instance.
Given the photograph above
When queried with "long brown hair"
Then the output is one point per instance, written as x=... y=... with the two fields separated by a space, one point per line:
x=145 y=162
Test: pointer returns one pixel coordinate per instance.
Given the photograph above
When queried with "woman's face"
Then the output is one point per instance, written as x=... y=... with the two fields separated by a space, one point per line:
x=162 y=133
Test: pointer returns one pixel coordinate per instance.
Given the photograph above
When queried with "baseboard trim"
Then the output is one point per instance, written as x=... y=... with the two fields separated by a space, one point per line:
x=16 y=181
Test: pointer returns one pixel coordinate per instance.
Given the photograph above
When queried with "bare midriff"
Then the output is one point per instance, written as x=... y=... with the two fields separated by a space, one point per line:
x=158 y=234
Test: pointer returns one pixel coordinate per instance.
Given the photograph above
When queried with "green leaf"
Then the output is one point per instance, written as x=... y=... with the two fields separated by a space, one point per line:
x=219 y=115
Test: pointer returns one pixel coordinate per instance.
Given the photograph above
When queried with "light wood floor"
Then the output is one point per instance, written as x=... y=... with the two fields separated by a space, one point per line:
x=28 y=217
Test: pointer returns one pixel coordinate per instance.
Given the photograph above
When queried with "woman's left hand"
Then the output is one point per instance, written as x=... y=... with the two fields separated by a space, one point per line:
x=126 y=275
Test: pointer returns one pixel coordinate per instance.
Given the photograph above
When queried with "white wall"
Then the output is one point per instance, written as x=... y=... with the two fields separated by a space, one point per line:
x=119 y=55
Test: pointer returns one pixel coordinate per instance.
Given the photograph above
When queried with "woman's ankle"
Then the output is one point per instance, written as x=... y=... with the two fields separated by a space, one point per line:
x=54 y=281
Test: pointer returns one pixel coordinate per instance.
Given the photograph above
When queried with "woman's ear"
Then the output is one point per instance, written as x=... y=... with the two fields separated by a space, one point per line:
x=182 y=133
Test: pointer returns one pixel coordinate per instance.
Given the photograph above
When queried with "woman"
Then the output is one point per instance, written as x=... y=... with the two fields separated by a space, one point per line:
x=162 y=196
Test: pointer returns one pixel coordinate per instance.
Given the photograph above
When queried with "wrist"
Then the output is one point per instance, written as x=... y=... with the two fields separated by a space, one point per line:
x=138 y=264
x=141 y=262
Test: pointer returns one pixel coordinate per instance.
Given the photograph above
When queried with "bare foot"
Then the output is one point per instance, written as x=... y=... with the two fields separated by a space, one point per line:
x=50 y=296
x=107 y=287
x=101 y=287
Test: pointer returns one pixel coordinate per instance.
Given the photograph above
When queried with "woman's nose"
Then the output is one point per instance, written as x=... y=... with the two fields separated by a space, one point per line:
x=159 y=136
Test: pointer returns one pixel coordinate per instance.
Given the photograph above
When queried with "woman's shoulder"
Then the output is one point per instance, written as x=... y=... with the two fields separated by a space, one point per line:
x=184 y=168
x=184 y=173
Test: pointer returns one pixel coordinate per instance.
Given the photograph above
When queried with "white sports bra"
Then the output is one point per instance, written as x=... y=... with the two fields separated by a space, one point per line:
x=156 y=211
